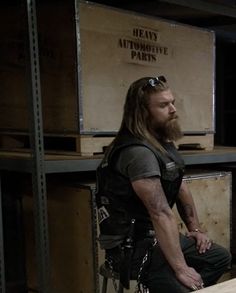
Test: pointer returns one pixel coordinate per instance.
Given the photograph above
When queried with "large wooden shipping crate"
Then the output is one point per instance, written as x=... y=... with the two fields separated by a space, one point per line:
x=118 y=47
x=73 y=229
x=72 y=238
x=212 y=192
x=89 y=57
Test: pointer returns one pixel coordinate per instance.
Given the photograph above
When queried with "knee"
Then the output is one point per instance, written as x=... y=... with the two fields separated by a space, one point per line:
x=224 y=257
x=228 y=257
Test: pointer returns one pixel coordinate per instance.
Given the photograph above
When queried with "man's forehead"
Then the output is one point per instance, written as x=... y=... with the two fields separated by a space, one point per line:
x=162 y=96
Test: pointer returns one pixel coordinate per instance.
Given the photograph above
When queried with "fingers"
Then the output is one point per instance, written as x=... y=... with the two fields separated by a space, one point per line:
x=197 y=286
x=190 y=278
x=194 y=287
x=209 y=243
x=204 y=245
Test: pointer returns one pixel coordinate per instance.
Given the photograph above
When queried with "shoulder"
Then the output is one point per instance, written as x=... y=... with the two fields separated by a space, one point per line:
x=137 y=151
x=136 y=162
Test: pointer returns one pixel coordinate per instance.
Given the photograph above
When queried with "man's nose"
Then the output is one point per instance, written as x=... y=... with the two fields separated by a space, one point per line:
x=172 y=108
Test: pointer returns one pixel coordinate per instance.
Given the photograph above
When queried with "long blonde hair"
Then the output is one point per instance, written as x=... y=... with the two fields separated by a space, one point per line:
x=136 y=117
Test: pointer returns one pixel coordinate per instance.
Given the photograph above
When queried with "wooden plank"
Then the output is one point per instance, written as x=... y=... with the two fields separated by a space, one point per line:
x=90 y=145
x=224 y=287
x=83 y=145
x=205 y=142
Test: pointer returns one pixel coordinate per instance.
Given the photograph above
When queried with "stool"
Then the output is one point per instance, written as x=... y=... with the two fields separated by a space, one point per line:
x=106 y=273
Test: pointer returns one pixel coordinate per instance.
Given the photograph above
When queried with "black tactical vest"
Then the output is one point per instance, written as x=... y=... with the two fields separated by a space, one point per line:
x=116 y=200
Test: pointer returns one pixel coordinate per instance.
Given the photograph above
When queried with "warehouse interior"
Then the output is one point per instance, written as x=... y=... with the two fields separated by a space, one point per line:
x=55 y=125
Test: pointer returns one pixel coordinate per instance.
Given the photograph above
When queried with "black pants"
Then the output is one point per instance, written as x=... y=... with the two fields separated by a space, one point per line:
x=160 y=277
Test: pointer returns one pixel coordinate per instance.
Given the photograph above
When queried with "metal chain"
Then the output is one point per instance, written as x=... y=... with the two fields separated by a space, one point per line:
x=141 y=288
x=109 y=261
x=138 y=288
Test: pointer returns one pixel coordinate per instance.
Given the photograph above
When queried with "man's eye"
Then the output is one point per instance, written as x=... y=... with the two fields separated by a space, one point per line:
x=163 y=105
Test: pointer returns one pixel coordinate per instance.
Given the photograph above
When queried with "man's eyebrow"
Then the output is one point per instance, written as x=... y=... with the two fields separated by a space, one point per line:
x=166 y=102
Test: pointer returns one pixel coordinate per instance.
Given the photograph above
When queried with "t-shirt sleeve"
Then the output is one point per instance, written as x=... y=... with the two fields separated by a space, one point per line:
x=137 y=162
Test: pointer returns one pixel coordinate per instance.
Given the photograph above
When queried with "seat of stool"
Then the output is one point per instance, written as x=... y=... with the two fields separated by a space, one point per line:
x=106 y=272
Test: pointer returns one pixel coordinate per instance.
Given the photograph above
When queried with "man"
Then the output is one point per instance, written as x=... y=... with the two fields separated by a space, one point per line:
x=138 y=182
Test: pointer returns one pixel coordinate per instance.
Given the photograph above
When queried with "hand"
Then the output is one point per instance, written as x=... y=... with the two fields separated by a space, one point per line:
x=203 y=242
x=190 y=278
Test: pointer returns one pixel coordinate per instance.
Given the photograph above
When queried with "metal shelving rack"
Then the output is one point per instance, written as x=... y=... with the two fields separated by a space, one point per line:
x=36 y=166
x=39 y=165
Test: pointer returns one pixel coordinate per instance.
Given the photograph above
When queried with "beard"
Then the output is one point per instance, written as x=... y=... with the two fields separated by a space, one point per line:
x=171 y=130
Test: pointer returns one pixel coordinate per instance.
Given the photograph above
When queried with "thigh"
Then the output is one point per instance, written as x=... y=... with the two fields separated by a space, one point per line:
x=211 y=264
x=215 y=255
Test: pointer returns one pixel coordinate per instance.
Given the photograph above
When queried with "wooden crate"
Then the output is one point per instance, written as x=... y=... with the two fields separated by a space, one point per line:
x=73 y=229
x=212 y=195
x=132 y=46
x=107 y=65
x=72 y=236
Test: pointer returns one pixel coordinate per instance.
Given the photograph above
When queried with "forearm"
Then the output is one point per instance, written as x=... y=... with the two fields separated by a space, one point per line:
x=167 y=235
x=151 y=193
x=189 y=216
x=163 y=219
x=187 y=209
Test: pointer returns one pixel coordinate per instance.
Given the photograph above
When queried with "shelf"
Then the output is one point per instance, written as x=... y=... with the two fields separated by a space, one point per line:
x=56 y=163
x=218 y=155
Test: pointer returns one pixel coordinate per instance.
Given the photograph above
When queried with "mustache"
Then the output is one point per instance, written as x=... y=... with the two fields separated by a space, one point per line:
x=174 y=116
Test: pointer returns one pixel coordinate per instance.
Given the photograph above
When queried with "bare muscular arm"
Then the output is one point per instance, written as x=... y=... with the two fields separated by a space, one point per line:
x=150 y=191
x=187 y=210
